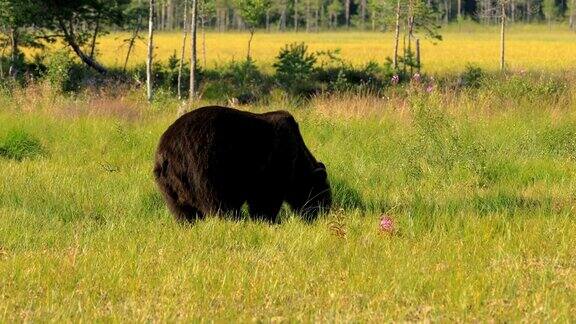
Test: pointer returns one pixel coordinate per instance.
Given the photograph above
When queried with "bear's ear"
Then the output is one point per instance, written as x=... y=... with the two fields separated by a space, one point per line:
x=320 y=172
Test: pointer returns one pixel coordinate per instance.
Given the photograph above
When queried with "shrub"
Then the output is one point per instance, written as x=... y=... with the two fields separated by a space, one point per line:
x=240 y=80
x=294 y=67
x=472 y=77
x=58 y=67
x=345 y=77
x=19 y=145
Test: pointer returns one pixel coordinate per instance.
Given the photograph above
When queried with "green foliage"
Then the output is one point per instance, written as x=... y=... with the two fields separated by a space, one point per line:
x=408 y=63
x=426 y=20
x=241 y=81
x=550 y=9
x=385 y=10
x=252 y=11
x=472 y=77
x=19 y=145
x=58 y=70
x=294 y=67
x=343 y=77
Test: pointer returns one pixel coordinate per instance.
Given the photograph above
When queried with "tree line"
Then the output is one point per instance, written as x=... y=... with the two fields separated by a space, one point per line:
x=79 y=23
x=314 y=15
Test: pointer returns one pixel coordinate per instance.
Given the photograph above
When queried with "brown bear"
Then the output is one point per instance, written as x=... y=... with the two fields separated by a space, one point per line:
x=214 y=159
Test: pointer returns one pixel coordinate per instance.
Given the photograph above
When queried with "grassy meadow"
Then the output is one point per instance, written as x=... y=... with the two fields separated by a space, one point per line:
x=528 y=47
x=480 y=183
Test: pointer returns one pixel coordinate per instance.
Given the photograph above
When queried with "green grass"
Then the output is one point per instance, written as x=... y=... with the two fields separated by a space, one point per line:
x=481 y=185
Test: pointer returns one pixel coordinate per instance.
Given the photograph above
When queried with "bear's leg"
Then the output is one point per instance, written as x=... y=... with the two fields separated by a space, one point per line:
x=184 y=211
x=224 y=206
x=190 y=213
x=265 y=209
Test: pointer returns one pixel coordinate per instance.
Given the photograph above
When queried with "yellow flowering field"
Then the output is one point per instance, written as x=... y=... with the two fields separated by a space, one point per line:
x=528 y=47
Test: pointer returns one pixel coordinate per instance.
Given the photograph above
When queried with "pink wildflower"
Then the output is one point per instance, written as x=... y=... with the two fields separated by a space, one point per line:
x=387 y=224
x=395 y=79
x=417 y=77
x=430 y=88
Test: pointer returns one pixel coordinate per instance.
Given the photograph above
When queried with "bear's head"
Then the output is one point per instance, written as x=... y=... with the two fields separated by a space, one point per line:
x=315 y=195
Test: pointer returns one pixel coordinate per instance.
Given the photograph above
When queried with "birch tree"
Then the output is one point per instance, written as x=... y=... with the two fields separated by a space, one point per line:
x=347 y=12
x=252 y=13
x=396 y=36
x=135 y=23
x=550 y=11
x=572 y=13
x=502 y=34
x=183 y=51
x=150 y=50
x=295 y=15
x=193 y=58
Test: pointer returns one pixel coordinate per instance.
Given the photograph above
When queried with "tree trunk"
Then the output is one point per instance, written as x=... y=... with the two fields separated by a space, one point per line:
x=446 y=13
x=296 y=15
x=283 y=19
x=363 y=13
x=572 y=19
x=252 y=31
x=347 y=12
x=512 y=11
x=459 y=10
x=132 y=41
x=332 y=20
x=150 y=51
x=193 y=59
x=14 y=44
x=183 y=51
x=307 y=16
x=218 y=14
x=2 y=62
x=96 y=30
x=410 y=35
x=404 y=47
x=163 y=16
x=418 y=54
x=171 y=14
x=396 y=36
x=226 y=20
x=70 y=39
x=268 y=20
x=317 y=19
x=502 y=34
x=322 y=19
x=203 y=25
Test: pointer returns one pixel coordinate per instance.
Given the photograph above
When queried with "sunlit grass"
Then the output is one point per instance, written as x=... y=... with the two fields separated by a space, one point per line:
x=481 y=187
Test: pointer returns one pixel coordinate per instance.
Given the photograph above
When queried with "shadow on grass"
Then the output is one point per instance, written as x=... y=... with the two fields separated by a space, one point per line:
x=345 y=197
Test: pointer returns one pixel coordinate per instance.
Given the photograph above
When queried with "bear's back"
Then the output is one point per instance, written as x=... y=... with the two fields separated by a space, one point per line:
x=225 y=140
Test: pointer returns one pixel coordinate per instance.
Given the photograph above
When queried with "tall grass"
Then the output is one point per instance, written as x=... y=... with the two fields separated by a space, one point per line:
x=480 y=184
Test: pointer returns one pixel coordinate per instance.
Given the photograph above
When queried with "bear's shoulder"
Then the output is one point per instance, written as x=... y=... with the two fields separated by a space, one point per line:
x=282 y=119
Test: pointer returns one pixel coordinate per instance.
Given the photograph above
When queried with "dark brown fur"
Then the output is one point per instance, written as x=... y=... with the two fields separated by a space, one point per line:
x=214 y=159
